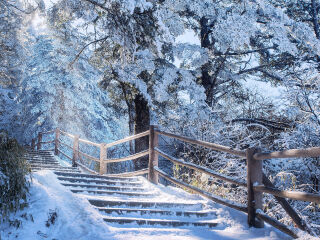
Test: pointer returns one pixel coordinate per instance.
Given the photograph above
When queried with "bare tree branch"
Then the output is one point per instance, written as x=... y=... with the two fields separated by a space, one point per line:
x=97 y=4
x=7 y=4
x=87 y=45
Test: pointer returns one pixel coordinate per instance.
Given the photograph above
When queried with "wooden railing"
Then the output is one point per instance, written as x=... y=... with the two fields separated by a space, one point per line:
x=103 y=160
x=257 y=183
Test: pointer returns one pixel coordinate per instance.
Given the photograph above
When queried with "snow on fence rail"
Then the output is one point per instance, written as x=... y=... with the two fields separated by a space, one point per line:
x=257 y=183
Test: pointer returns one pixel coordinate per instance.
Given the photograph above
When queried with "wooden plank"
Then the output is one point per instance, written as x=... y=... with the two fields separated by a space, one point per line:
x=213 y=146
x=89 y=142
x=56 y=144
x=199 y=168
x=302 y=196
x=201 y=192
x=70 y=158
x=276 y=224
x=254 y=176
x=48 y=142
x=153 y=155
x=292 y=153
x=131 y=157
x=48 y=132
x=66 y=145
x=289 y=210
x=86 y=168
x=39 y=141
x=103 y=156
x=89 y=156
x=33 y=144
x=66 y=134
x=146 y=133
x=130 y=174
x=75 y=150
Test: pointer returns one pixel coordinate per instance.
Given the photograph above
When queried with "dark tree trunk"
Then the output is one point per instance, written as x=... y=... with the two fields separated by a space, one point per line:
x=315 y=19
x=141 y=124
x=207 y=80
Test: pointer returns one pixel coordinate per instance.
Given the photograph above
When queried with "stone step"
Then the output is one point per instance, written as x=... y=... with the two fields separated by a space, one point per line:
x=148 y=212
x=54 y=167
x=44 y=161
x=100 y=181
x=83 y=175
x=161 y=222
x=58 y=168
x=144 y=204
x=67 y=170
x=49 y=165
x=98 y=192
x=39 y=155
x=114 y=188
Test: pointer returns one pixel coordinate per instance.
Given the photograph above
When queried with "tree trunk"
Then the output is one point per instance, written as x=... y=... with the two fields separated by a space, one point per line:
x=207 y=81
x=141 y=124
x=315 y=19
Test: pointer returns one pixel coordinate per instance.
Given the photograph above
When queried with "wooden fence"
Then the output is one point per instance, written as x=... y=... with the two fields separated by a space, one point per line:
x=257 y=183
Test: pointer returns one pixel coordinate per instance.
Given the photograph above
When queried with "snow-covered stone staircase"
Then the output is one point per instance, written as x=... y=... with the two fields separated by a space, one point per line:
x=44 y=159
x=133 y=201
x=128 y=201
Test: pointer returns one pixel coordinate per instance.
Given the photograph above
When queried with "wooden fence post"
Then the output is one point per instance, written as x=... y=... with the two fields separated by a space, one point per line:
x=103 y=156
x=75 y=154
x=153 y=156
x=39 y=141
x=56 y=142
x=33 y=144
x=254 y=176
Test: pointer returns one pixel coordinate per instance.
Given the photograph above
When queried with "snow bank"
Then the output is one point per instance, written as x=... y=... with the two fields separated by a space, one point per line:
x=76 y=218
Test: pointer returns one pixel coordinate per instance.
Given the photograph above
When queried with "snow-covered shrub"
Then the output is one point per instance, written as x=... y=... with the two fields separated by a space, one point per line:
x=14 y=183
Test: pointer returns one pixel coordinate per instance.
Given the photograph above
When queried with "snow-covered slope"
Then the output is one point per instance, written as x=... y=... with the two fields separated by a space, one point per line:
x=77 y=219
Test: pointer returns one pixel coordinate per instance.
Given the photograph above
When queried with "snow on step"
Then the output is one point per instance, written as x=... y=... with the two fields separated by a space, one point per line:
x=97 y=181
x=135 y=201
x=40 y=160
x=162 y=222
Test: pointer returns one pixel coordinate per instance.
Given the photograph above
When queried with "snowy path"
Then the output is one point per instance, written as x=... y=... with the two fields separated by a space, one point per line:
x=77 y=219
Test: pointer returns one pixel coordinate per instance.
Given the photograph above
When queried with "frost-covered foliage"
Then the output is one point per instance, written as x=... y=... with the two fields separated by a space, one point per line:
x=11 y=63
x=57 y=96
x=14 y=181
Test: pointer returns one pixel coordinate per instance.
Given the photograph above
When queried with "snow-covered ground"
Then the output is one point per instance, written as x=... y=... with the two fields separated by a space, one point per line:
x=77 y=219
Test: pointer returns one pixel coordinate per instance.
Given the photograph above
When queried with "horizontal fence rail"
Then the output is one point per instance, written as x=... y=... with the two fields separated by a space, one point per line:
x=200 y=169
x=257 y=182
x=131 y=157
x=213 y=146
x=293 y=153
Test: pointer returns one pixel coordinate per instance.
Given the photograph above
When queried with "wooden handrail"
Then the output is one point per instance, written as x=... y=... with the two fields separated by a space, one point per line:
x=131 y=174
x=131 y=157
x=89 y=156
x=302 y=196
x=213 y=146
x=70 y=158
x=64 y=144
x=67 y=134
x=48 y=132
x=143 y=134
x=275 y=223
x=201 y=192
x=86 y=168
x=199 y=168
x=89 y=142
x=292 y=153
x=47 y=142
x=254 y=172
